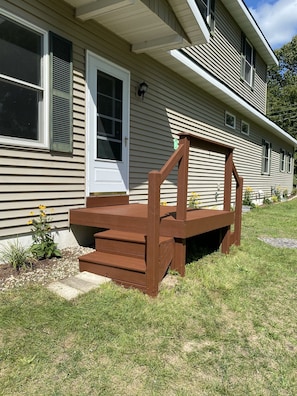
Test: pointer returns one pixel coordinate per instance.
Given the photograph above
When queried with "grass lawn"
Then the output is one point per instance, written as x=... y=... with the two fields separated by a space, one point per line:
x=227 y=328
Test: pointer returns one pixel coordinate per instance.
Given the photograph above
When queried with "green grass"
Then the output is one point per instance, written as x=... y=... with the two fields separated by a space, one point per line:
x=227 y=328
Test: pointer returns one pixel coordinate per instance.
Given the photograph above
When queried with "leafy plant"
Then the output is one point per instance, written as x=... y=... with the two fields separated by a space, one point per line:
x=194 y=201
x=17 y=255
x=247 y=197
x=43 y=241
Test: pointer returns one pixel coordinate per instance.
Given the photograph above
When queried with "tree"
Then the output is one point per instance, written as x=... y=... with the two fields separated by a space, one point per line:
x=282 y=90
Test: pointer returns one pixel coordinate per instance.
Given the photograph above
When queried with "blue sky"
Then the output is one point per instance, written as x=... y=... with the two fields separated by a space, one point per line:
x=277 y=19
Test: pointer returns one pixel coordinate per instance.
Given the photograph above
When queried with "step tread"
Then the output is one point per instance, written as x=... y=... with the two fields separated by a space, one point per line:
x=126 y=236
x=115 y=260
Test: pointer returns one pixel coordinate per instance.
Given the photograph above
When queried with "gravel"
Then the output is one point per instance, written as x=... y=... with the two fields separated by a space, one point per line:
x=280 y=242
x=46 y=271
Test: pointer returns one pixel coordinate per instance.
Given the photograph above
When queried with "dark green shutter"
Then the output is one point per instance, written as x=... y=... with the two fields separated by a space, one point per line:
x=60 y=94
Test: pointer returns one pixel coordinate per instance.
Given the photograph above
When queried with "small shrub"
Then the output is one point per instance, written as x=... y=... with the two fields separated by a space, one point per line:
x=194 y=201
x=266 y=201
x=285 y=194
x=294 y=192
x=43 y=242
x=15 y=254
x=275 y=199
x=247 y=197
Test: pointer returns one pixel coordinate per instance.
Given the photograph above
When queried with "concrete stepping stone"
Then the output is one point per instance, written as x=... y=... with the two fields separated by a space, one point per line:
x=70 y=288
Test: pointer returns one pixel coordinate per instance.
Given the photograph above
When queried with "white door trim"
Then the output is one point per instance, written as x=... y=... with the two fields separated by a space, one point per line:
x=111 y=69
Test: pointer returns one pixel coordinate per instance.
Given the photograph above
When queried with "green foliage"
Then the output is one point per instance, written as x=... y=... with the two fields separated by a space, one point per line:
x=267 y=201
x=43 y=242
x=247 y=197
x=282 y=88
x=194 y=201
x=15 y=254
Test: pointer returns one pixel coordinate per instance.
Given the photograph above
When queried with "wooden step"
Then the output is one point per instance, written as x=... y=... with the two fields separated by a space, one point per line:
x=124 y=270
x=125 y=243
x=114 y=260
x=121 y=242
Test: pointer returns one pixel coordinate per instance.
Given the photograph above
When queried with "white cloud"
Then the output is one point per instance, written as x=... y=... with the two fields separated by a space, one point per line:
x=277 y=21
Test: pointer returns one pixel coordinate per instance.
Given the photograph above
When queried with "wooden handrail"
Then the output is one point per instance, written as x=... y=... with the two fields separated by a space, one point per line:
x=181 y=158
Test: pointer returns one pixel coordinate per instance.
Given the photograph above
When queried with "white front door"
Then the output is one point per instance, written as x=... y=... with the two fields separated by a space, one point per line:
x=108 y=102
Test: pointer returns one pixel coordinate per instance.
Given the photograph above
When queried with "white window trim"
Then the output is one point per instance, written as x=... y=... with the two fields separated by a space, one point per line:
x=250 y=83
x=43 y=141
x=289 y=163
x=265 y=142
x=248 y=128
x=282 y=160
x=234 y=118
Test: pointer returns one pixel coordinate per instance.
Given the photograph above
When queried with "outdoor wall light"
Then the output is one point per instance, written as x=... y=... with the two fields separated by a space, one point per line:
x=142 y=89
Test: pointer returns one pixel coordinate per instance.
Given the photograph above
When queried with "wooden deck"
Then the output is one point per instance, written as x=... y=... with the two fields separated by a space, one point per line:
x=134 y=218
x=137 y=243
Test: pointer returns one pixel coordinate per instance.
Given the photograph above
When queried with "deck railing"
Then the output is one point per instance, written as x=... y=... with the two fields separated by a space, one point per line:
x=181 y=158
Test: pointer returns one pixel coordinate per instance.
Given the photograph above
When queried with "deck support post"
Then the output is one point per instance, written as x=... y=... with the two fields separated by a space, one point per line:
x=179 y=259
x=153 y=233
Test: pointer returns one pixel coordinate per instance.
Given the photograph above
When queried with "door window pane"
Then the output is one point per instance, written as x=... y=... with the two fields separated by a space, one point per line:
x=109 y=117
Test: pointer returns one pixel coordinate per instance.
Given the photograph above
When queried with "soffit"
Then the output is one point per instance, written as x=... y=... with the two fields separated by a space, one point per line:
x=147 y=24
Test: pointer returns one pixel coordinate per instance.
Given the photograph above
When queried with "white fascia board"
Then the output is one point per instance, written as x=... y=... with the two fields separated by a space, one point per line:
x=238 y=103
x=238 y=9
x=200 y=21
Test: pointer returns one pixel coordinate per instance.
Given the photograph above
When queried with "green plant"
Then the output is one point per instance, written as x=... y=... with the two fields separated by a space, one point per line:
x=294 y=192
x=43 y=245
x=17 y=255
x=285 y=193
x=194 y=201
x=247 y=197
x=276 y=194
x=266 y=201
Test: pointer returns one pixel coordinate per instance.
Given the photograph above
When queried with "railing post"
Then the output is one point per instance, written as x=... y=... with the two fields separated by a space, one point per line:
x=227 y=199
x=238 y=211
x=153 y=233
x=182 y=181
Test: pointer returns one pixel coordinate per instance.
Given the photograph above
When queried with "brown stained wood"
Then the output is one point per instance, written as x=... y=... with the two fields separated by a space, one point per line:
x=114 y=260
x=143 y=240
x=118 y=275
x=178 y=263
x=95 y=201
x=166 y=256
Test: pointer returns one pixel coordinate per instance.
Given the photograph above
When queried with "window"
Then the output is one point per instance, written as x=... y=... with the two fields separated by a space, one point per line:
x=266 y=157
x=35 y=88
x=22 y=93
x=207 y=9
x=248 y=57
x=282 y=165
x=289 y=163
x=245 y=128
x=230 y=120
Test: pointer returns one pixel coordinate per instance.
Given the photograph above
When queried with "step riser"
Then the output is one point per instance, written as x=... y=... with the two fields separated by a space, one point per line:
x=119 y=275
x=127 y=248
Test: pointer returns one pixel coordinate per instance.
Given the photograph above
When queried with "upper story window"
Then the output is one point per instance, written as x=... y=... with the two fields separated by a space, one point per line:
x=248 y=57
x=22 y=82
x=207 y=9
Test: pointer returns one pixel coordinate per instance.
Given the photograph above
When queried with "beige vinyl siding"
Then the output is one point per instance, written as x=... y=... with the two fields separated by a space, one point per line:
x=222 y=57
x=172 y=105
